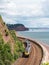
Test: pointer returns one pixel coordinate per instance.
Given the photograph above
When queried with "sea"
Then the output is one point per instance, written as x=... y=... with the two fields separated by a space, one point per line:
x=38 y=34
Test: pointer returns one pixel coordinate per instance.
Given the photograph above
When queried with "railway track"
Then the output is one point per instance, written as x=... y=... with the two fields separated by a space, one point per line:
x=35 y=56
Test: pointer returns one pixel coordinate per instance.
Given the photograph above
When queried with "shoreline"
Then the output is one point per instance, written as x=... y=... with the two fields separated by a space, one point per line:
x=32 y=38
x=36 y=48
x=45 y=48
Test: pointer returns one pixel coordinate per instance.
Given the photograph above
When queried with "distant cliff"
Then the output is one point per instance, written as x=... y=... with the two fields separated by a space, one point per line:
x=17 y=27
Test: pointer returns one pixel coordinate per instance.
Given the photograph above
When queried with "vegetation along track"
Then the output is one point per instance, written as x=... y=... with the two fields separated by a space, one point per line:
x=35 y=56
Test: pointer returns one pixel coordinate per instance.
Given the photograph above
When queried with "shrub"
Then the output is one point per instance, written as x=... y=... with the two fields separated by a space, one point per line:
x=1 y=40
x=47 y=63
x=1 y=45
x=6 y=33
x=7 y=47
x=4 y=23
x=7 y=62
x=5 y=30
x=1 y=62
x=16 y=56
x=18 y=46
x=14 y=35
x=5 y=53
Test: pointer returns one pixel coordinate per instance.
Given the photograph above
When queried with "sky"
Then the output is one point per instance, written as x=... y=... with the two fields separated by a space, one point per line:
x=31 y=13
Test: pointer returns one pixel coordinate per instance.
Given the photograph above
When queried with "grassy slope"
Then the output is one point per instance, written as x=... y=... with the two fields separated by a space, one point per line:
x=9 y=38
x=6 y=38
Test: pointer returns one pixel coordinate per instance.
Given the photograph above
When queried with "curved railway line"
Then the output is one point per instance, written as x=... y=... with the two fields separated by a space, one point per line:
x=35 y=56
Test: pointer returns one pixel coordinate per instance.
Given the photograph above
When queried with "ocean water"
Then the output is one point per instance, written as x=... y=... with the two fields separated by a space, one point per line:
x=41 y=36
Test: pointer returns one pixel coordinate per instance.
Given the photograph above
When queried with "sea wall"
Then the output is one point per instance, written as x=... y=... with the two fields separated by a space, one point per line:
x=44 y=49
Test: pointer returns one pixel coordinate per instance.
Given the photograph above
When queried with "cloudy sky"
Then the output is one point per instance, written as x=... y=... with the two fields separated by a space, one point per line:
x=31 y=13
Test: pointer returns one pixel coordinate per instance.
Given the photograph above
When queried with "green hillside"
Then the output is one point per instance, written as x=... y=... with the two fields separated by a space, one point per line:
x=10 y=46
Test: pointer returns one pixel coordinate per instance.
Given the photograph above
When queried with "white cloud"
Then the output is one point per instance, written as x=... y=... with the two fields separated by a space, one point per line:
x=9 y=20
x=27 y=7
x=46 y=8
x=34 y=8
x=39 y=22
